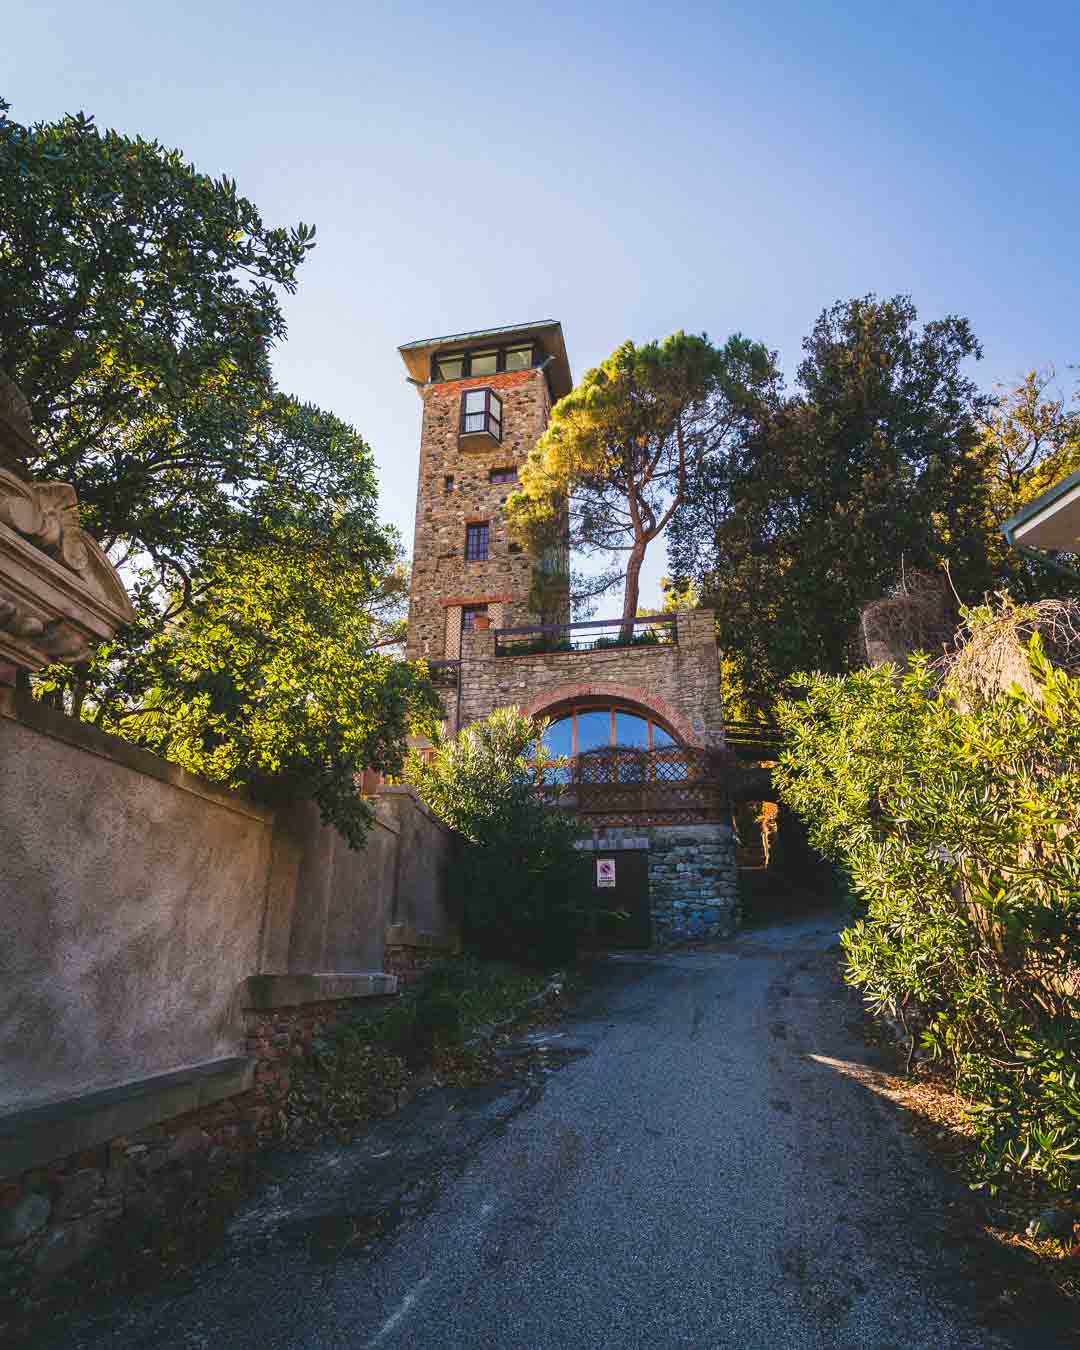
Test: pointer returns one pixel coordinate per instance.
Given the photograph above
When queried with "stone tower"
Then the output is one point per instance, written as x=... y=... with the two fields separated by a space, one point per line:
x=486 y=397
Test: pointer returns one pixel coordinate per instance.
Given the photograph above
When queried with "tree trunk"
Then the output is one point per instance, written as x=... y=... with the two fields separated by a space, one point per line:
x=630 y=593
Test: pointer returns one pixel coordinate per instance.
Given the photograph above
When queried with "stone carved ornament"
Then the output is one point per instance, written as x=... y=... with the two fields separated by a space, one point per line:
x=60 y=597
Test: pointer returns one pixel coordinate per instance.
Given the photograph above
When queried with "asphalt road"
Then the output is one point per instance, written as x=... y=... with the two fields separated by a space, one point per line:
x=705 y=1162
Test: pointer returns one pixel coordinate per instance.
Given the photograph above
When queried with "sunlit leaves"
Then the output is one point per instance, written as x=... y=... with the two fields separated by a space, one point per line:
x=958 y=821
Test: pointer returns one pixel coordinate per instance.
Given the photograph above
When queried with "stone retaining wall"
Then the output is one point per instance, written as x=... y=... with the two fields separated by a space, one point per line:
x=411 y=952
x=56 y=1215
x=693 y=878
x=693 y=882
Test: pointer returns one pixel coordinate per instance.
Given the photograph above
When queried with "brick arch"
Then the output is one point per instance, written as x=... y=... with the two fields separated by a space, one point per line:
x=567 y=693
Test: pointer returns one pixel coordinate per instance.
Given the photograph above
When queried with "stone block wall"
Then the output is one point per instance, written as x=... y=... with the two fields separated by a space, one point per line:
x=410 y=952
x=693 y=883
x=693 y=878
x=442 y=579
x=56 y=1214
x=678 y=681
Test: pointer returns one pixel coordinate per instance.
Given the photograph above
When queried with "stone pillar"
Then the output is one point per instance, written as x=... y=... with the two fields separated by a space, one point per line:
x=60 y=597
x=696 y=627
x=693 y=883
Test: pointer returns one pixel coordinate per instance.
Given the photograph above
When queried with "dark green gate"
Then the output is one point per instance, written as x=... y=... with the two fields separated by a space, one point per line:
x=628 y=870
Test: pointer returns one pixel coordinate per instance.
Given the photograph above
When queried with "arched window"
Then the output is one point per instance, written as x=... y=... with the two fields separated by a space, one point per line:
x=594 y=726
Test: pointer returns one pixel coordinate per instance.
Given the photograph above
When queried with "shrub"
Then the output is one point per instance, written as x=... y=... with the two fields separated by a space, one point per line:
x=957 y=820
x=522 y=882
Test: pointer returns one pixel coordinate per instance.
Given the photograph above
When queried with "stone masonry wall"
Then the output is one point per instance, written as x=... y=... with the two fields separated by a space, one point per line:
x=693 y=882
x=693 y=879
x=442 y=579
x=54 y=1217
x=680 y=682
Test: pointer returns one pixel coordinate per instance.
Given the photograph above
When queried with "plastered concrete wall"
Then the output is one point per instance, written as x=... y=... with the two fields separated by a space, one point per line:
x=342 y=895
x=427 y=851
x=136 y=900
x=132 y=900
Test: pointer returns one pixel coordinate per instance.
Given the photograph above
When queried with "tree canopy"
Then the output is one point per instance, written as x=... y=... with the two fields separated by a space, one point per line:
x=871 y=467
x=272 y=680
x=614 y=465
x=139 y=307
x=1029 y=441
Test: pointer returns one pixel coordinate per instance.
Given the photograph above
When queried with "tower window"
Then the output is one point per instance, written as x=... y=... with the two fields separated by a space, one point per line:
x=483 y=363
x=468 y=616
x=481 y=413
x=503 y=476
x=489 y=361
x=451 y=367
x=518 y=358
x=476 y=542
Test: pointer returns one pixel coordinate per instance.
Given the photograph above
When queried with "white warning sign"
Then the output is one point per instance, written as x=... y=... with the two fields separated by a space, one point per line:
x=605 y=871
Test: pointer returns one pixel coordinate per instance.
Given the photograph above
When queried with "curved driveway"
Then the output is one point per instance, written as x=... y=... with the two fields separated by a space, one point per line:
x=706 y=1162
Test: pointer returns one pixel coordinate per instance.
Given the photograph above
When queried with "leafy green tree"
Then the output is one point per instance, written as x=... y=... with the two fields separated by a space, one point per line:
x=138 y=309
x=139 y=306
x=272 y=680
x=1029 y=442
x=614 y=465
x=522 y=882
x=956 y=814
x=871 y=468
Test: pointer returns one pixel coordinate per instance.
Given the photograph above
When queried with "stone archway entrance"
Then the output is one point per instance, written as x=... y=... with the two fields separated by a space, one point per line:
x=657 y=804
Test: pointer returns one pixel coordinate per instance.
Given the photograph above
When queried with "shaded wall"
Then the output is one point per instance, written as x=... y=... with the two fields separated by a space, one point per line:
x=137 y=901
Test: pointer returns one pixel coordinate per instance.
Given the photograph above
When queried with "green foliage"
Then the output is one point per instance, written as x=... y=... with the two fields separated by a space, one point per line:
x=271 y=681
x=522 y=882
x=1029 y=441
x=611 y=470
x=137 y=312
x=958 y=821
x=138 y=309
x=447 y=1005
x=870 y=468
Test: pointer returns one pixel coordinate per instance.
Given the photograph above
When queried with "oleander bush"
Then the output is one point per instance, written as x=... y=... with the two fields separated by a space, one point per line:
x=522 y=884
x=954 y=807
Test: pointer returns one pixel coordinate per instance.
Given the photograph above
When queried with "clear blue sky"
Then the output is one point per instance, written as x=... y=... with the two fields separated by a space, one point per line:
x=628 y=169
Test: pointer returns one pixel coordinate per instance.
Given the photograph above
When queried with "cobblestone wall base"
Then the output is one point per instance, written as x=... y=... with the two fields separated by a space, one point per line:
x=54 y=1217
x=693 y=883
x=693 y=878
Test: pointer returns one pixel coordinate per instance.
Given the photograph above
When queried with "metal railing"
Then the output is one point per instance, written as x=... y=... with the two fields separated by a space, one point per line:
x=659 y=630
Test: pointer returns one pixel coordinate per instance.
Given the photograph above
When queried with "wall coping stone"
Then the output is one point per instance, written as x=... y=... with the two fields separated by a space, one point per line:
x=404 y=935
x=407 y=790
x=610 y=845
x=37 y=1135
x=264 y=992
x=29 y=712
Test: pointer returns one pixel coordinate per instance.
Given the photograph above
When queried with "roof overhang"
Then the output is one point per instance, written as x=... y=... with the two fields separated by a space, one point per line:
x=1051 y=521
x=547 y=333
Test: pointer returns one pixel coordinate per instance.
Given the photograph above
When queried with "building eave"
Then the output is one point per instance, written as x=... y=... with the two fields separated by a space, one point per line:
x=1051 y=521
x=547 y=333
